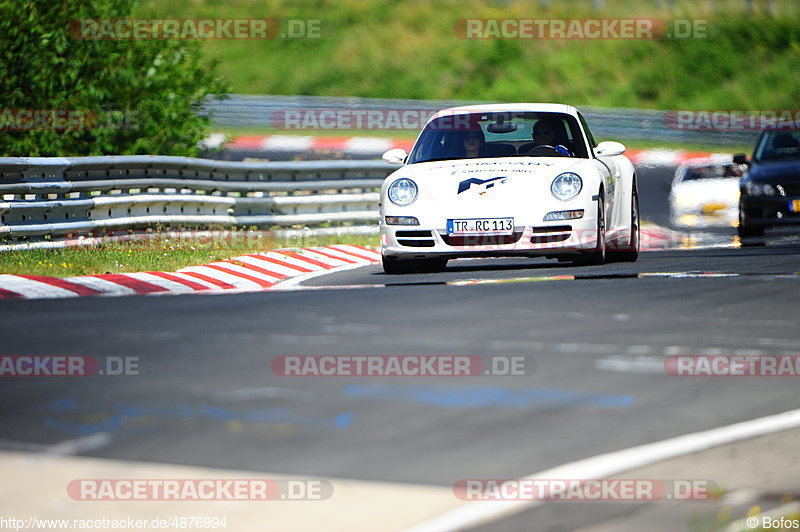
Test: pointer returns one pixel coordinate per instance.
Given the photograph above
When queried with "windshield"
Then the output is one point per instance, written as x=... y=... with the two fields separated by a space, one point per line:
x=524 y=134
x=713 y=171
x=779 y=145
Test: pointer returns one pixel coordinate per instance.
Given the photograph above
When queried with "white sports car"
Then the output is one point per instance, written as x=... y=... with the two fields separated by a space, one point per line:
x=706 y=194
x=523 y=179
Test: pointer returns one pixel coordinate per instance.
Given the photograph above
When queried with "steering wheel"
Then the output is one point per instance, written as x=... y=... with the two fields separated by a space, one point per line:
x=542 y=149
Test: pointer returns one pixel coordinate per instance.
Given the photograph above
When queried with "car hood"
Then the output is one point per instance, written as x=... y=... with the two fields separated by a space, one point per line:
x=498 y=178
x=775 y=172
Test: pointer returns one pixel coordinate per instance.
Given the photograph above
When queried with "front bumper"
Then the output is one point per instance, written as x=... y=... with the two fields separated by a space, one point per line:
x=770 y=211
x=543 y=239
x=706 y=215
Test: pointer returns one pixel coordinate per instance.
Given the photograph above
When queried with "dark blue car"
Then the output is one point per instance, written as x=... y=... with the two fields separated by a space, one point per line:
x=770 y=191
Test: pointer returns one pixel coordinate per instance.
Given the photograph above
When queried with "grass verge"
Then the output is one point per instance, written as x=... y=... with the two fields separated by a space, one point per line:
x=157 y=253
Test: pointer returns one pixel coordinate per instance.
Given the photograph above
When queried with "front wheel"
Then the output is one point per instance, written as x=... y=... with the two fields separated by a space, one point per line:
x=747 y=231
x=598 y=255
x=631 y=254
x=395 y=266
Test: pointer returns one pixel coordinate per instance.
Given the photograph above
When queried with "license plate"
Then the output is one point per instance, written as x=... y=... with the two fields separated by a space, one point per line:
x=480 y=226
x=795 y=205
x=713 y=208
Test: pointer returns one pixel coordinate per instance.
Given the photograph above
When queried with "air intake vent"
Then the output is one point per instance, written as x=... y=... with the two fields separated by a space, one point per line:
x=550 y=234
x=417 y=243
x=552 y=229
x=481 y=240
x=413 y=234
x=415 y=239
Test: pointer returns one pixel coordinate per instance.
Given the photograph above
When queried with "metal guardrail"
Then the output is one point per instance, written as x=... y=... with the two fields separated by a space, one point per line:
x=605 y=123
x=55 y=197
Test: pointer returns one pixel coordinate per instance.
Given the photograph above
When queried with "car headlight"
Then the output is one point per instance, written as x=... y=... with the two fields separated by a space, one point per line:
x=759 y=189
x=403 y=192
x=566 y=186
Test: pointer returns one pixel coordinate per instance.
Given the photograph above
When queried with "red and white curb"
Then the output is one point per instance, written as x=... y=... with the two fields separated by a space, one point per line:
x=361 y=146
x=656 y=238
x=671 y=158
x=375 y=146
x=282 y=269
x=273 y=270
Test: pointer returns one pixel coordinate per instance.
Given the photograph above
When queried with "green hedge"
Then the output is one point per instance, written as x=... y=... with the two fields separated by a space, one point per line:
x=114 y=96
x=408 y=49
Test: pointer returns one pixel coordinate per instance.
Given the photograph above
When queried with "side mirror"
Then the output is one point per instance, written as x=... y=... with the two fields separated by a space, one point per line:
x=609 y=148
x=396 y=156
x=740 y=158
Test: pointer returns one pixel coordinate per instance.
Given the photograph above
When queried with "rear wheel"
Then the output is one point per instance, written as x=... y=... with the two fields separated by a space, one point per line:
x=598 y=255
x=395 y=266
x=631 y=253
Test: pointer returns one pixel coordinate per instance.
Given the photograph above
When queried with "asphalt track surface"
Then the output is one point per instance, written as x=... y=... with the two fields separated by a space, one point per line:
x=597 y=344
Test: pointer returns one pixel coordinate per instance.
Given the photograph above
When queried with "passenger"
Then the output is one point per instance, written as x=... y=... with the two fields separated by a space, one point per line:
x=474 y=144
x=733 y=170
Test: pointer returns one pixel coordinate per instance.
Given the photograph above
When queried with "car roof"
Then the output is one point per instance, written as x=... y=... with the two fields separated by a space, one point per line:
x=683 y=170
x=717 y=159
x=508 y=108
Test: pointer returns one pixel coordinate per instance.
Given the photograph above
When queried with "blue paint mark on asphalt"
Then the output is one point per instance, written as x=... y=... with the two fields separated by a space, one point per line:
x=109 y=425
x=181 y=411
x=126 y=412
x=63 y=405
x=343 y=420
x=479 y=397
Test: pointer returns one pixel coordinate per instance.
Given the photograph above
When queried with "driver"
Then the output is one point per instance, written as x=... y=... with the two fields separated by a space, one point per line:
x=544 y=134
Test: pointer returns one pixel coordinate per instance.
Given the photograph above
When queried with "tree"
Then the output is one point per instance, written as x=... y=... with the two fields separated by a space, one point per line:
x=63 y=95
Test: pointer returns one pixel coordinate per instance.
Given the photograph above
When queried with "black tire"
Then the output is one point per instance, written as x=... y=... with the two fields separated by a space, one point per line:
x=631 y=254
x=598 y=256
x=432 y=265
x=746 y=231
x=394 y=266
